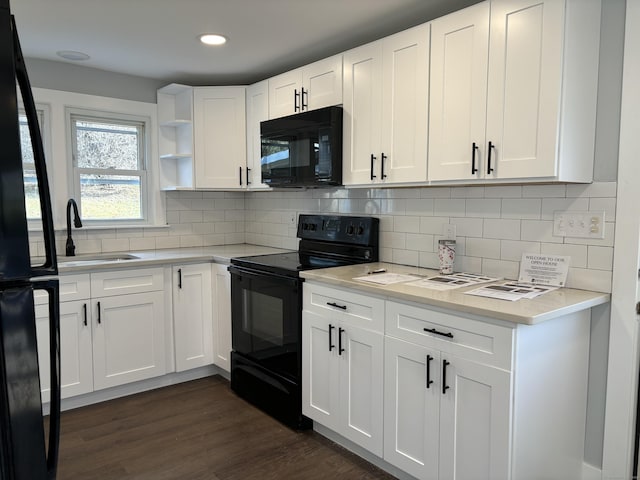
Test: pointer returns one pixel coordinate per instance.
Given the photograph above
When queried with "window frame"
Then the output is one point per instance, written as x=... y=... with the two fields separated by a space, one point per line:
x=144 y=157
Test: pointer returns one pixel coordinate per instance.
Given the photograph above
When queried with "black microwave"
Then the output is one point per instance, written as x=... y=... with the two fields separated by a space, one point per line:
x=303 y=150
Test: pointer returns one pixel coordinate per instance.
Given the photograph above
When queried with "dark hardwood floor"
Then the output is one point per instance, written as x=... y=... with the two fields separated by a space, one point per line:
x=198 y=430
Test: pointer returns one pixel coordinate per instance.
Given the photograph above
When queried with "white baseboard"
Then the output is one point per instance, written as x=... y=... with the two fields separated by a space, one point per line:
x=137 y=387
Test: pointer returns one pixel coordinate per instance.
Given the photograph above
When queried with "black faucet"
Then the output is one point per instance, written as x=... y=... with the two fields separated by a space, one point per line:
x=71 y=248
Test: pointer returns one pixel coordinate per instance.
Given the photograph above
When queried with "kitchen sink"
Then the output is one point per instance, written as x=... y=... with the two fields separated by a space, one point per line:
x=96 y=259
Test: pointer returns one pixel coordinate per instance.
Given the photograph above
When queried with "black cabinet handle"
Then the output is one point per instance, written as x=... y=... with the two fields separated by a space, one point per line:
x=433 y=330
x=429 y=381
x=248 y=170
x=331 y=345
x=474 y=148
x=445 y=387
x=296 y=97
x=383 y=157
x=180 y=278
x=340 y=349
x=84 y=314
x=333 y=304
x=373 y=157
x=240 y=175
x=305 y=93
x=99 y=315
x=489 y=167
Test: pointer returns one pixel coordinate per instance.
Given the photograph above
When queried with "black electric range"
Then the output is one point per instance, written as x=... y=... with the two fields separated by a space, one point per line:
x=266 y=312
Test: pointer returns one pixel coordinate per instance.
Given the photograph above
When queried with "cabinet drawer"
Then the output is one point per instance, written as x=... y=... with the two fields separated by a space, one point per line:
x=472 y=339
x=122 y=282
x=72 y=287
x=358 y=310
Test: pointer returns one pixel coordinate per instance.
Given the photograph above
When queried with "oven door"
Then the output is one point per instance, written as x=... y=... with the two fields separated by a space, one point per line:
x=266 y=316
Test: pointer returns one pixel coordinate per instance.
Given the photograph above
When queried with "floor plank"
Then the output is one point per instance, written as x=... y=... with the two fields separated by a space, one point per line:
x=197 y=430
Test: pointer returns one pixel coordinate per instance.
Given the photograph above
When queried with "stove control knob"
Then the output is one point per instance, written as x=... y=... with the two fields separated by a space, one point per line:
x=350 y=230
x=313 y=227
x=360 y=230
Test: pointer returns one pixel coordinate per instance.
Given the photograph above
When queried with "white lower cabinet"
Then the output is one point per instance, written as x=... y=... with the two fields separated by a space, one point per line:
x=342 y=379
x=128 y=338
x=192 y=316
x=76 y=354
x=112 y=330
x=444 y=420
x=463 y=396
x=221 y=317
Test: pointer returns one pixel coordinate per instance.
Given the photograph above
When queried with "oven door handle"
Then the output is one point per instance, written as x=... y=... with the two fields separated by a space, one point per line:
x=264 y=276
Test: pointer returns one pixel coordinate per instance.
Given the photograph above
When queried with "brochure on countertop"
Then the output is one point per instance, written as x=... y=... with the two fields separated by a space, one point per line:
x=511 y=291
x=454 y=280
x=384 y=278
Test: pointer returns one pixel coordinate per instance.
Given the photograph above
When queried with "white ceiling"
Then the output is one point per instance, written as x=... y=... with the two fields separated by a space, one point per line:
x=158 y=38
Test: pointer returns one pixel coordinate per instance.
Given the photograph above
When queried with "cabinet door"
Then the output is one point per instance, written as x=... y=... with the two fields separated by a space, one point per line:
x=404 y=106
x=219 y=137
x=362 y=114
x=411 y=407
x=257 y=111
x=320 y=374
x=361 y=374
x=128 y=338
x=524 y=86
x=322 y=83
x=76 y=362
x=222 y=317
x=192 y=316
x=457 y=110
x=474 y=420
x=284 y=93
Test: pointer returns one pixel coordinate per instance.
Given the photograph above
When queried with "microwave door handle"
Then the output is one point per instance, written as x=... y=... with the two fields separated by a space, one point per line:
x=49 y=267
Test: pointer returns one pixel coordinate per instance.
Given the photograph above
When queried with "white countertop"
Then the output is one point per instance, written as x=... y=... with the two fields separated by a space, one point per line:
x=217 y=254
x=525 y=311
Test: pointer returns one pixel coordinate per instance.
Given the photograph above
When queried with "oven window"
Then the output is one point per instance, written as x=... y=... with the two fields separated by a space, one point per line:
x=262 y=317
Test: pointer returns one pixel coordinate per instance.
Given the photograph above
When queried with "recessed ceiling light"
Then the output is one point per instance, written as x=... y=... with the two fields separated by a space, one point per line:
x=74 y=56
x=212 y=39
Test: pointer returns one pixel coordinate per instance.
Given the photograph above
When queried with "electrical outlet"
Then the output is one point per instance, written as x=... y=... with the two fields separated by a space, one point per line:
x=449 y=231
x=292 y=219
x=578 y=224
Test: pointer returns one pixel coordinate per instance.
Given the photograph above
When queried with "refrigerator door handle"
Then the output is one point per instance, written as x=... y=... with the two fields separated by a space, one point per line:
x=52 y=288
x=50 y=266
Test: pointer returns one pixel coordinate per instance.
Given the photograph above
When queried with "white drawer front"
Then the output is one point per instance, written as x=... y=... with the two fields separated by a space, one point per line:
x=72 y=287
x=122 y=282
x=472 y=339
x=358 y=310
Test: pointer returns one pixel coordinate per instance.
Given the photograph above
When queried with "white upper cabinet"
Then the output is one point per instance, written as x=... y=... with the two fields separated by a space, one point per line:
x=202 y=137
x=257 y=111
x=539 y=59
x=457 y=111
x=386 y=86
x=310 y=87
x=219 y=137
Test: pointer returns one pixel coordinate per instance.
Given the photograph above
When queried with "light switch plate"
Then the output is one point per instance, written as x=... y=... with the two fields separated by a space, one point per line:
x=578 y=224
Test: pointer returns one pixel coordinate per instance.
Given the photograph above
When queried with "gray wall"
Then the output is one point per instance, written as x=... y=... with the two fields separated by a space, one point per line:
x=79 y=79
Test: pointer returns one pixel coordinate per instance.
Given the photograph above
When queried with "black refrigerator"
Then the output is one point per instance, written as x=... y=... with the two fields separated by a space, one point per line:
x=25 y=453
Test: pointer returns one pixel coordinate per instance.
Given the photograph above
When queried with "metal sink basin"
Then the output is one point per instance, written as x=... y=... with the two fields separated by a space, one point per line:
x=96 y=259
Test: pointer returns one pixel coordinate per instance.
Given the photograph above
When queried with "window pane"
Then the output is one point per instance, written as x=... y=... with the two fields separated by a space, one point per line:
x=107 y=145
x=110 y=197
x=32 y=200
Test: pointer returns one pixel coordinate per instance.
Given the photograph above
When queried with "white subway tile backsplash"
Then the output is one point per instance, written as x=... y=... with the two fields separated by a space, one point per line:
x=501 y=228
x=521 y=208
x=578 y=253
x=513 y=250
x=494 y=224
x=483 y=247
x=485 y=208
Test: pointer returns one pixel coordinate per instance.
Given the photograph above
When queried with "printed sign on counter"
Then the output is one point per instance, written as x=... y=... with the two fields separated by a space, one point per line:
x=544 y=269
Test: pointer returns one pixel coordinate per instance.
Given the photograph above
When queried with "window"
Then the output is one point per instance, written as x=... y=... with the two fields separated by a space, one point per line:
x=109 y=168
x=32 y=200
